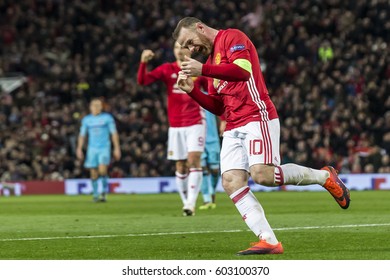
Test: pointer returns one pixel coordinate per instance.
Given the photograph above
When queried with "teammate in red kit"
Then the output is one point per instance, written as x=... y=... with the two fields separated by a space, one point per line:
x=186 y=135
x=251 y=138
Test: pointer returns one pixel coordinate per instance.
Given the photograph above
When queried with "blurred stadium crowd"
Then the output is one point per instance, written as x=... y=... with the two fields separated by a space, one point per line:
x=326 y=64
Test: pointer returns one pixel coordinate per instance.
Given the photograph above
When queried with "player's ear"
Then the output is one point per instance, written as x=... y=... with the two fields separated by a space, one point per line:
x=200 y=27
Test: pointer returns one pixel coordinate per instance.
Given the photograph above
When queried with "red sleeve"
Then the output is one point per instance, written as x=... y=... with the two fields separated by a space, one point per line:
x=237 y=45
x=202 y=83
x=211 y=103
x=146 y=78
x=227 y=72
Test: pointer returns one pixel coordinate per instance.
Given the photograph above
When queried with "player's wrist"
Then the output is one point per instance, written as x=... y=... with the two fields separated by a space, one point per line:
x=192 y=90
x=205 y=69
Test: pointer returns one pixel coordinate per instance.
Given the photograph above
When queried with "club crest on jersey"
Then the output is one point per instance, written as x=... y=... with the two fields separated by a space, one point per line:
x=218 y=58
x=174 y=76
x=238 y=47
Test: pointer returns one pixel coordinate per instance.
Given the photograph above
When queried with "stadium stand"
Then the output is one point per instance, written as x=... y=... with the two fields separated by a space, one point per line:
x=326 y=64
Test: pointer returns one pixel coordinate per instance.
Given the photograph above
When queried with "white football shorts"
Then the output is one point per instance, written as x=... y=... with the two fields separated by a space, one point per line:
x=182 y=140
x=253 y=143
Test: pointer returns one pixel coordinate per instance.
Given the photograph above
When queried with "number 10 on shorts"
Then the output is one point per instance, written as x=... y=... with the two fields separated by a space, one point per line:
x=255 y=147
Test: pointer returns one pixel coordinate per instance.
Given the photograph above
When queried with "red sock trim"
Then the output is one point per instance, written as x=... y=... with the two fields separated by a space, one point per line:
x=279 y=177
x=240 y=195
x=181 y=176
x=196 y=170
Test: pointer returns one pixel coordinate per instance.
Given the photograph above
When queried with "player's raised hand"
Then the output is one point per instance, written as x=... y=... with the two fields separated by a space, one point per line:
x=147 y=55
x=185 y=82
x=191 y=67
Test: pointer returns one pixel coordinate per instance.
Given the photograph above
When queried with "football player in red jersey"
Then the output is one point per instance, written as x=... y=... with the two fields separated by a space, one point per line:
x=186 y=135
x=251 y=139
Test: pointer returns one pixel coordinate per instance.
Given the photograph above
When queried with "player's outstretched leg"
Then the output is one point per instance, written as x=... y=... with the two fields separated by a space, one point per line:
x=336 y=188
x=327 y=177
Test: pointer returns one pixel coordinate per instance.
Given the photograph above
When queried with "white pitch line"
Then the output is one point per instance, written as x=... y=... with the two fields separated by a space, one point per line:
x=185 y=232
x=337 y=226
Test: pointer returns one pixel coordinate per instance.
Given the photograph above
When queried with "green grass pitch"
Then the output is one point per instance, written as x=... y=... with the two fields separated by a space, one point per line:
x=310 y=225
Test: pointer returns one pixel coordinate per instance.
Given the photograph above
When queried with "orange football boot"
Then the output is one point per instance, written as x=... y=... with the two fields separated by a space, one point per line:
x=262 y=247
x=336 y=188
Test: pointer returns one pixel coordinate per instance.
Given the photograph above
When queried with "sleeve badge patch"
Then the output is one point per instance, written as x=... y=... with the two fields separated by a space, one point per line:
x=239 y=47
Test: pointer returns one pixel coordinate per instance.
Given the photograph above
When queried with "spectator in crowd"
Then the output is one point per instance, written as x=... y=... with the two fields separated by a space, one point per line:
x=73 y=52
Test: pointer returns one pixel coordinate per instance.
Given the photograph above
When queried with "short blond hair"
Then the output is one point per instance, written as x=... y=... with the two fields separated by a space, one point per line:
x=187 y=22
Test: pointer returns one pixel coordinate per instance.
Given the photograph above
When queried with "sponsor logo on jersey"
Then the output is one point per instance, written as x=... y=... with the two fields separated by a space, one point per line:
x=221 y=87
x=238 y=47
x=218 y=58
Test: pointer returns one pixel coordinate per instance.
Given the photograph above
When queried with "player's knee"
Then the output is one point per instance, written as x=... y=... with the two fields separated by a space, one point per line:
x=181 y=167
x=214 y=172
x=194 y=159
x=233 y=180
x=226 y=184
x=227 y=181
x=94 y=173
x=102 y=171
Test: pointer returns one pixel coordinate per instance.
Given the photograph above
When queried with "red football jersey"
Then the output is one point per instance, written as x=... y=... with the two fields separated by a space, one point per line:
x=182 y=109
x=244 y=101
